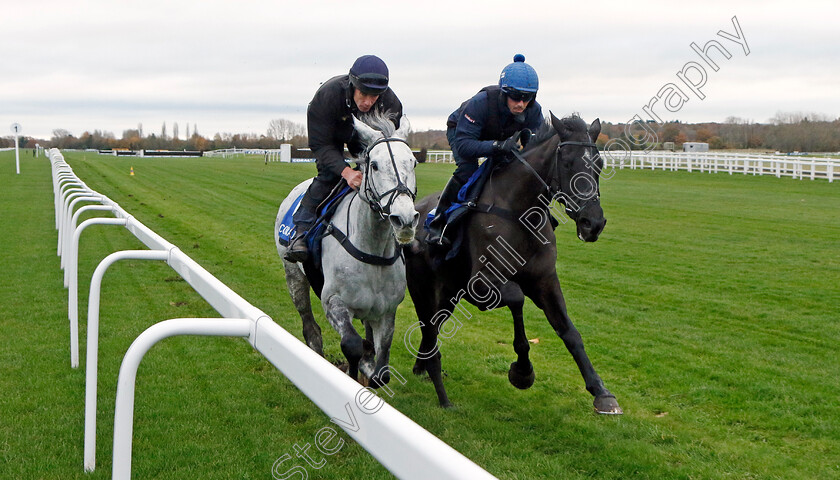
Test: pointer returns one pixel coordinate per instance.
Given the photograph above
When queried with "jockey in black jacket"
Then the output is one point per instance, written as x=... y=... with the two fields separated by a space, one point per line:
x=488 y=124
x=329 y=121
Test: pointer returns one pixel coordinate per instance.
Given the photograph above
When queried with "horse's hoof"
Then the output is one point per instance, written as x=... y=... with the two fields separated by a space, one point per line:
x=380 y=380
x=607 y=405
x=518 y=380
x=447 y=405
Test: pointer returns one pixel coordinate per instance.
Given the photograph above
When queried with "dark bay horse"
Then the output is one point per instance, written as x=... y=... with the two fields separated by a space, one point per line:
x=509 y=252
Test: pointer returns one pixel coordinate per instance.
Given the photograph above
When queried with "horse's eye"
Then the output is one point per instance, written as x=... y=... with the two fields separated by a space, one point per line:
x=374 y=166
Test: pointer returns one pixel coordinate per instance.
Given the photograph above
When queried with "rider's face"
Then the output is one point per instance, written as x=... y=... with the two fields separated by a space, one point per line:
x=364 y=102
x=517 y=107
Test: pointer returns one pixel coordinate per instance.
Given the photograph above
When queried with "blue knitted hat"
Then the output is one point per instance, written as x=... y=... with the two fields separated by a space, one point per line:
x=519 y=76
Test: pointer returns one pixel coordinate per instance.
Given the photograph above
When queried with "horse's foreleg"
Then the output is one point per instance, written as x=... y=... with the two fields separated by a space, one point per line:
x=352 y=345
x=554 y=305
x=299 y=291
x=382 y=336
x=521 y=373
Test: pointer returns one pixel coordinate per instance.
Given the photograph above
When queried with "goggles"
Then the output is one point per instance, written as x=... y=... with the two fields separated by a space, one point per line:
x=520 y=96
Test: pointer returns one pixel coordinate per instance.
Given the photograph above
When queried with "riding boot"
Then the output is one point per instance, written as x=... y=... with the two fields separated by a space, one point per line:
x=436 y=226
x=298 y=250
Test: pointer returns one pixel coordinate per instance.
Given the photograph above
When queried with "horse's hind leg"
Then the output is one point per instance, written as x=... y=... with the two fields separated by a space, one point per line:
x=432 y=362
x=299 y=291
x=352 y=345
x=552 y=302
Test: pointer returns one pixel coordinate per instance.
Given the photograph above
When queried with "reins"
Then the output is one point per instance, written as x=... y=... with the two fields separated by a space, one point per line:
x=553 y=179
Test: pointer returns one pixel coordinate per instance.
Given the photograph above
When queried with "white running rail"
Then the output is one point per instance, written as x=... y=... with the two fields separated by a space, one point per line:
x=399 y=444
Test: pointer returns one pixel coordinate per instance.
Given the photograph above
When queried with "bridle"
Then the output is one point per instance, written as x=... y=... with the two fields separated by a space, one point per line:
x=373 y=197
x=555 y=185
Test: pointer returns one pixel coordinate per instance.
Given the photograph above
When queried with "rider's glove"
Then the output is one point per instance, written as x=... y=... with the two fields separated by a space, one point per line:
x=508 y=145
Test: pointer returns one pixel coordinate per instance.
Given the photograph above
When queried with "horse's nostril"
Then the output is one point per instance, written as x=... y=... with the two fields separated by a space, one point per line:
x=396 y=221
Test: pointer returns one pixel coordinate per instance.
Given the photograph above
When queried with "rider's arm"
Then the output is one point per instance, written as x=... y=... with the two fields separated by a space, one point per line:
x=468 y=130
x=322 y=117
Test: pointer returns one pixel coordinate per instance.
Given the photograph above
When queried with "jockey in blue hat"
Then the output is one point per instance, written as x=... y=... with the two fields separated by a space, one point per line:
x=488 y=124
x=329 y=121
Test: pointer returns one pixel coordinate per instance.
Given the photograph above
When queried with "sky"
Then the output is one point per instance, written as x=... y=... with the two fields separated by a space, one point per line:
x=233 y=66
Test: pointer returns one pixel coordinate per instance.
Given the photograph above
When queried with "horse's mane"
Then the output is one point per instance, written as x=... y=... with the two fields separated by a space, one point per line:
x=381 y=121
x=571 y=123
x=542 y=134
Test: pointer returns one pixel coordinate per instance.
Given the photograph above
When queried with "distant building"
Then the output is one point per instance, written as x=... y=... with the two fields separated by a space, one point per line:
x=668 y=146
x=695 y=147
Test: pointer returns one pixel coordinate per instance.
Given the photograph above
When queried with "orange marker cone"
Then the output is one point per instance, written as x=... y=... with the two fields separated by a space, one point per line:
x=132 y=172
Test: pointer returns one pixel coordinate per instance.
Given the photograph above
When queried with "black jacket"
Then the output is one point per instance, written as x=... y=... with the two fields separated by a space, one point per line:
x=329 y=122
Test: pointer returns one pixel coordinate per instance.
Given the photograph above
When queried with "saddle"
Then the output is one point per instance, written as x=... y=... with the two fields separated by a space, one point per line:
x=326 y=209
x=460 y=208
x=466 y=203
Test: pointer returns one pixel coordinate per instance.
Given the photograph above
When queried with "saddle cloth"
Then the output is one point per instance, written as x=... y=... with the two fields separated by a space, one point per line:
x=466 y=199
x=286 y=230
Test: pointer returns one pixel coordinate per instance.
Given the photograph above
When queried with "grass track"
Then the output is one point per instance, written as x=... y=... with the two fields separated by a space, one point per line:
x=709 y=306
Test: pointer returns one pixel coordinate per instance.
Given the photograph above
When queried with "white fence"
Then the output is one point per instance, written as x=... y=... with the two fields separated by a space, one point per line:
x=712 y=162
x=721 y=162
x=399 y=444
x=439 y=156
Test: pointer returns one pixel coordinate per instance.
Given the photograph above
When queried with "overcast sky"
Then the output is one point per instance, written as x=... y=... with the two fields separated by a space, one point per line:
x=232 y=66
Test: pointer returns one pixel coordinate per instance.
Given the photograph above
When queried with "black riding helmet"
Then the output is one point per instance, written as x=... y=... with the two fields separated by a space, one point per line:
x=369 y=74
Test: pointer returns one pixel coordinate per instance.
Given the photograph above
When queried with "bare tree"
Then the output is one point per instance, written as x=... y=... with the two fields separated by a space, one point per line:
x=282 y=129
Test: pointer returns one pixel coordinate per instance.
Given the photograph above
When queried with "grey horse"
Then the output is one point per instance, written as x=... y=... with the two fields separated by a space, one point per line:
x=362 y=263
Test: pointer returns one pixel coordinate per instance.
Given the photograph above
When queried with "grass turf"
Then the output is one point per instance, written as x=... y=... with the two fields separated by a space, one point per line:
x=708 y=306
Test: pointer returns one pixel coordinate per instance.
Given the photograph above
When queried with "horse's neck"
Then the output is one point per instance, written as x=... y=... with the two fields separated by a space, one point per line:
x=366 y=230
x=517 y=187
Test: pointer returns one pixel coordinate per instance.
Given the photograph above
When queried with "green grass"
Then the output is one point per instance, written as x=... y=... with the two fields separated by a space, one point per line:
x=709 y=307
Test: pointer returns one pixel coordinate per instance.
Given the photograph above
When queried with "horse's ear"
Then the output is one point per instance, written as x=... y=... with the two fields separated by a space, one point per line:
x=558 y=125
x=595 y=129
x=367 y=134
x=405 y=128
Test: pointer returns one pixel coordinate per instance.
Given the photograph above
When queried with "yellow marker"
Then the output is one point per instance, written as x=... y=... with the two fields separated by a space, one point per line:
x=132 y=171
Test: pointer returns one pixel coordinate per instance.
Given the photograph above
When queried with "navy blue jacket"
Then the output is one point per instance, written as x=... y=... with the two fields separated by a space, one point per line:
x=475 y=130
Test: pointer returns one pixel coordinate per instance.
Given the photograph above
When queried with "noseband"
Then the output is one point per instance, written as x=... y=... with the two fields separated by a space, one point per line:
x=373 y=197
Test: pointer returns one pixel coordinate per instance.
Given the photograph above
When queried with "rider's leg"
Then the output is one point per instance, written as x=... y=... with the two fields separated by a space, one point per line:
x=463 y=172
x=306 y=215
x=449 y=195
